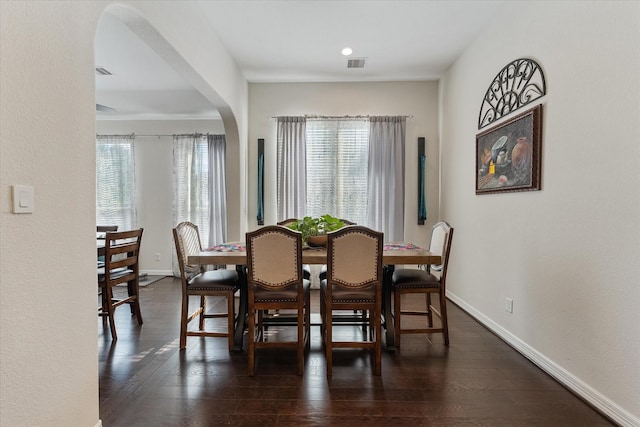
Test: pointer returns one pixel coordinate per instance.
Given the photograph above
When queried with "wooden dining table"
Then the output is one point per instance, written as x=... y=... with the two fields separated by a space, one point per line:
x=234 y=253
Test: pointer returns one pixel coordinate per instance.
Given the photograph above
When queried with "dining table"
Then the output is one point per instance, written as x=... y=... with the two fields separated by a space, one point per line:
x=395 y=253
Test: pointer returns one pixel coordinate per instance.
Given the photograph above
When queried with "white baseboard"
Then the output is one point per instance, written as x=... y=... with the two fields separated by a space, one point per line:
x=593 y=397
x=99 y=424
x=157 y=272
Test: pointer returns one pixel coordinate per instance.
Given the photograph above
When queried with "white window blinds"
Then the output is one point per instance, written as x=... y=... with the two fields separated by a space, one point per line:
x=337 y=157
x=115 y=181
x=191 y=181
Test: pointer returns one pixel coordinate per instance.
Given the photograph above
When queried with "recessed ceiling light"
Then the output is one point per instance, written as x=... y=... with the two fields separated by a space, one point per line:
x=347 y=51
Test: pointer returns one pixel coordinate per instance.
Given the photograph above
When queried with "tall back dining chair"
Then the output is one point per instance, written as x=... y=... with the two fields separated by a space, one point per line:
x=354 y=282
x=275 y=282
x=196 y=281
x=323 y=270
x=429 y=281
x=121 y=265
x=306 y=268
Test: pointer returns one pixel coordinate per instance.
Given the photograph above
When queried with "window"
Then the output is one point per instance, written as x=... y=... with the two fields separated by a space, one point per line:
x=115 y=181
x=191 y=182
x=337 y=155
x=352 y=168
x=200 y=194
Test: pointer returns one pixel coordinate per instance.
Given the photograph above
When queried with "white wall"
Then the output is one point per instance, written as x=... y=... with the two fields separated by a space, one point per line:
x=417 y=99
x=154 y=181
x=568 y=255
x=48 y=324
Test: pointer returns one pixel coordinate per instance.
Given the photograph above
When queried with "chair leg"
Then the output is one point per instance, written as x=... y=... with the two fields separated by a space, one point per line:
x=252 y=343
x=230 y=318
x=307 y=321
x=328 y=332
x=203 y=305
x=378 y=343
x=135 y=305
x=443 y=318
x=429 y=310
x=183 y=321
x=110 y=311
x=301 y=344
x=397 y=315
x=322 y=317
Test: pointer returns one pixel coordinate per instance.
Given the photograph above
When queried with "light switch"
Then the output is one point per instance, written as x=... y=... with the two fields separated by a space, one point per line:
x=22 y=199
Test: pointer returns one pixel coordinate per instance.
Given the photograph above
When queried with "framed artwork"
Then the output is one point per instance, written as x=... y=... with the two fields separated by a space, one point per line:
x=508 y=156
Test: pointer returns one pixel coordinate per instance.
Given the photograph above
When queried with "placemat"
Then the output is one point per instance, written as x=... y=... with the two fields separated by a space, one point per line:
x=229 y=247
x=400 y=247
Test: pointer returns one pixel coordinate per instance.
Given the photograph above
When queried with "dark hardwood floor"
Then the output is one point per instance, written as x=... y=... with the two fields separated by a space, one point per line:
x=479 y=380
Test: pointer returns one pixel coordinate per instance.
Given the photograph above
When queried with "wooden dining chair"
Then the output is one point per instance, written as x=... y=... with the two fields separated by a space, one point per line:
x=432 y=280
x=323 y=270
x=196 y=281
x=354 y=282
x=121 y=265
x=275 y=282
x=306 y=268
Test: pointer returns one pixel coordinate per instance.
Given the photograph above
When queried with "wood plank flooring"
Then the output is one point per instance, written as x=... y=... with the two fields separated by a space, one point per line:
x=478 y=381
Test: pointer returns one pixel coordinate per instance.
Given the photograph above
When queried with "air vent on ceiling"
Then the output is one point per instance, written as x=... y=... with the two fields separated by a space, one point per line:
x=101 y=71
x=104 y=109
x=356 y=63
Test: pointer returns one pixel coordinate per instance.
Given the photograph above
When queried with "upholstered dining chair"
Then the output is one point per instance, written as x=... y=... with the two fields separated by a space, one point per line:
x=306 y=268
x=275 y=282
x=196 y=281
x=121 y=256
x=354 y=282
x=323 y=270
x=429 y=281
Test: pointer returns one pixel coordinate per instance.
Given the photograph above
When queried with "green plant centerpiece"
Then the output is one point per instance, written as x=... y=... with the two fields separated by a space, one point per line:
x=314 y=229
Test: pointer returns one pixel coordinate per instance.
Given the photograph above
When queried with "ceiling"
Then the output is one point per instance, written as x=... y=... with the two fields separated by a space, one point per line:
x=291 y=41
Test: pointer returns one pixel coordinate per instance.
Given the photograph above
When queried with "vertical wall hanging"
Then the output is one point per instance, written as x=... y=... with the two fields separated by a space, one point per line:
x=260 y=215
x=422 y=171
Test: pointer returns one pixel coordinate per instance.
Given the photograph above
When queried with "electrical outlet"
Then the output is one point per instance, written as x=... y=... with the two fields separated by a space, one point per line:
x=158 y=256
x=508 y=305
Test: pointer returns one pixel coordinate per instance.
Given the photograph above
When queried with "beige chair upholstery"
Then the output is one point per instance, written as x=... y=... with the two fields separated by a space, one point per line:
x=306 y=268
x=431 y=281
x=354 y=282
x=197 y=281
x=121 y=253
x=323 y=269
x=275 y=282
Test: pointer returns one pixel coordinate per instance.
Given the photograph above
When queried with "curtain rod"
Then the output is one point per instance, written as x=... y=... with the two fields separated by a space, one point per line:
x=135 y=135
x=315 y=116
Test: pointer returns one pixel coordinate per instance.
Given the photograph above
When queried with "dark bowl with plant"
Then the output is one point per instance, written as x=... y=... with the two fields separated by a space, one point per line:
x=314 y=229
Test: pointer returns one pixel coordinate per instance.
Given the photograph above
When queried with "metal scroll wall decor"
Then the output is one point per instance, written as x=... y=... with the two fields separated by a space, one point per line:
x=260 y=216
x=516 y=85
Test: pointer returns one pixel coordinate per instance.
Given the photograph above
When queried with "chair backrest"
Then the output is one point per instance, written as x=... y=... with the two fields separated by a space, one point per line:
x=274 y=257
x=187 y=240
x=105 y=228
x=441 y=237
x=121 y=255
x=354 y=257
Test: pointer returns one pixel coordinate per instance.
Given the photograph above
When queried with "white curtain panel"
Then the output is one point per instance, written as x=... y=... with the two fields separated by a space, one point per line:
x=386 y=176
x=291 y=195
x=217 y=190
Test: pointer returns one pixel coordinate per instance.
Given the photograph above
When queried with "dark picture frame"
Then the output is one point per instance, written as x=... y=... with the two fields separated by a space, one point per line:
x=508 y=156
